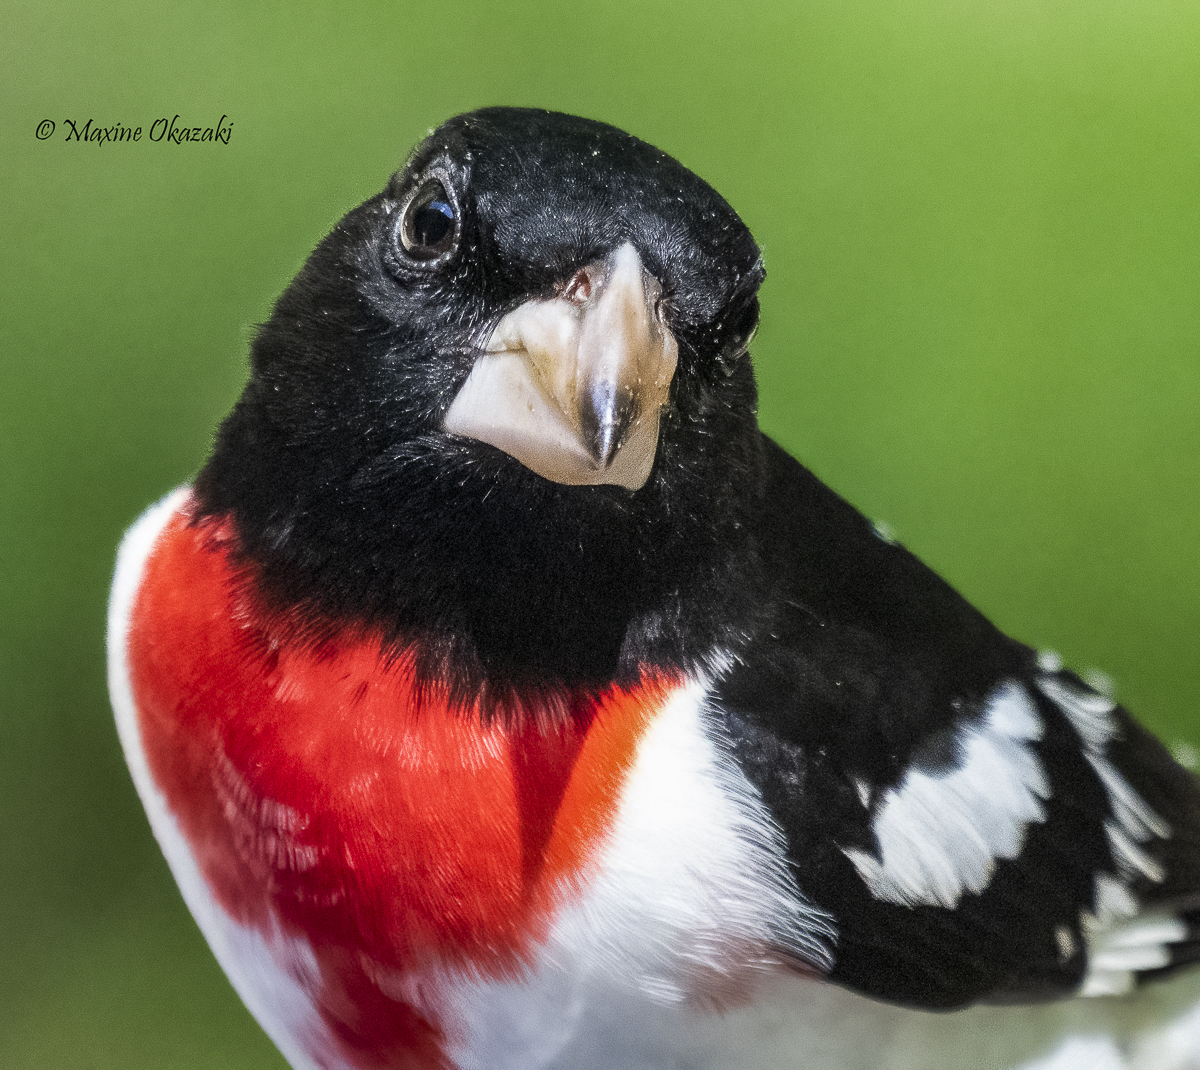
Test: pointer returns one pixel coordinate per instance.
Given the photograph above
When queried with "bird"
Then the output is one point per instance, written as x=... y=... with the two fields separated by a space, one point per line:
x=501 y=696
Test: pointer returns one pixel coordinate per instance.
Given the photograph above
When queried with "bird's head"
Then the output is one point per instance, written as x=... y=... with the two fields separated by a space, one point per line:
x=507 y=402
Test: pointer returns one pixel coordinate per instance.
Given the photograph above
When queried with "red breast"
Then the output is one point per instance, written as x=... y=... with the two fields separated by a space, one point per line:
x=322 y=792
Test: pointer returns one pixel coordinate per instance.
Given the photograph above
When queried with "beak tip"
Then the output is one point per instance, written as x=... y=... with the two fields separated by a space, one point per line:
x=604 y=445
x=606 y=417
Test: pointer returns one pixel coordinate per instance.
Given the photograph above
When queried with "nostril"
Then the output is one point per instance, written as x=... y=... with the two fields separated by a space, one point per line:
x=579 y=287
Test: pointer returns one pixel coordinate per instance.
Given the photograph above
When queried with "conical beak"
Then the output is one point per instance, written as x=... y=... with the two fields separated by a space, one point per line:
x=573 y=386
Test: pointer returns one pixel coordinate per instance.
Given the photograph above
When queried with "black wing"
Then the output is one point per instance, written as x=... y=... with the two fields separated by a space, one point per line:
x=980 y=824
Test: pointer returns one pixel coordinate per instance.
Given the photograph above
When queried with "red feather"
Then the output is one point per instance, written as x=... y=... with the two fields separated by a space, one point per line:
x=322 y=793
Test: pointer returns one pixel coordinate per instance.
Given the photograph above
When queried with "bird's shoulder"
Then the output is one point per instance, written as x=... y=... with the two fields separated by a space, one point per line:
x=980 y=823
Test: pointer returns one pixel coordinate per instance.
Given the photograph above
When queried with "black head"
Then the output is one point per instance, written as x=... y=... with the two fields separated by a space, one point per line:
x=356 y=505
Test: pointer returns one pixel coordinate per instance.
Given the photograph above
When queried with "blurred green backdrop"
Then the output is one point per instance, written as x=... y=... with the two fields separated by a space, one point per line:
x=981 y=221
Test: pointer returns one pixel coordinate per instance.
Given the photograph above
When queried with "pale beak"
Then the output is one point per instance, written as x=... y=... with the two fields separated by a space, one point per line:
x=573 y=386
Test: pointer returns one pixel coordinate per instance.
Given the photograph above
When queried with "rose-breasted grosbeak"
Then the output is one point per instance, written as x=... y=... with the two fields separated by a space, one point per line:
x=502 y=697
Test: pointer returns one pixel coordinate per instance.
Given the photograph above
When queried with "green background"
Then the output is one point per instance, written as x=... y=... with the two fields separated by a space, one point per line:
x=981 y=221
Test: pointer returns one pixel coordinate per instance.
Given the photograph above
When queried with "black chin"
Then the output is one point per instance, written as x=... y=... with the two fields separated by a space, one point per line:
x=492 y=579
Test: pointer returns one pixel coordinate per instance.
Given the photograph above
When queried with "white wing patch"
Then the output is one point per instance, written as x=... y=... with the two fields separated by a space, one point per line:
x=941 y=833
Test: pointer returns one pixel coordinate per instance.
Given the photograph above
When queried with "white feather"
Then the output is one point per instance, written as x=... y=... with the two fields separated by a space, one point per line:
x=1118 y=943
x=691 y=894
x=940 y=833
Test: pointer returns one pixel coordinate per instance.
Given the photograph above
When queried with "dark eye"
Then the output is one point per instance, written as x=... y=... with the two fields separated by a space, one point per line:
x=737 y=335
x=428 y=228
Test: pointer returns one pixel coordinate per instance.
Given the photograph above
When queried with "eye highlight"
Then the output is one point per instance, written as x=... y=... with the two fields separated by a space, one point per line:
x=429 y=224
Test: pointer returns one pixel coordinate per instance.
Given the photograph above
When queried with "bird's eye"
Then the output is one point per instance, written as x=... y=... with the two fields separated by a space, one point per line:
x=737 y=339
x=429 y=226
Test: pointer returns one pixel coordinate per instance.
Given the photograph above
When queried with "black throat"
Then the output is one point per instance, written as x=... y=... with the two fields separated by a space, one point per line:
x=493 y=580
